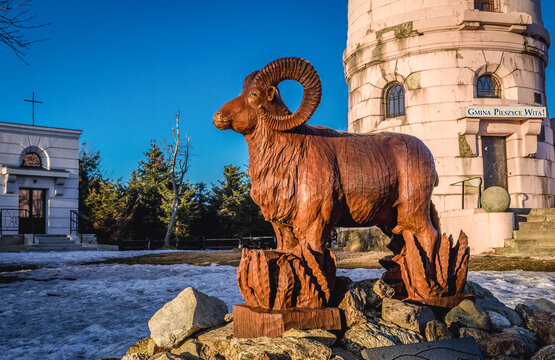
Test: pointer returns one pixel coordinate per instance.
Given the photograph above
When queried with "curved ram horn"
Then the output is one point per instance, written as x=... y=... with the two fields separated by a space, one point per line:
x=290 y=68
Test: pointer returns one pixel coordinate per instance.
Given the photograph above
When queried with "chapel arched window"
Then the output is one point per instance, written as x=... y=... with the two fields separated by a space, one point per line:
x=31 y=159
x=488 y=87
x=487 y=5
x=395 y=101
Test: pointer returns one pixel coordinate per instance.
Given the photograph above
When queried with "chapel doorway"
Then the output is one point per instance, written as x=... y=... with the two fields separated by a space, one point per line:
x=32 y=211
x=494 y=156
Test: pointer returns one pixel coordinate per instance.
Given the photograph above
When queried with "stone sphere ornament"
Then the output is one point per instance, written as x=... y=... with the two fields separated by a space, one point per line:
x=495 y=199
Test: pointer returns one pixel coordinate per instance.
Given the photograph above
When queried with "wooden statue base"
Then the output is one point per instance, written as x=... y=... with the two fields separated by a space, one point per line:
x=448 y=302
x=250 y=322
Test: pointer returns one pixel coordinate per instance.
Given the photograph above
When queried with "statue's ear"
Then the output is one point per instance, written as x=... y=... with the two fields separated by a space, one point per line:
x=271 y=92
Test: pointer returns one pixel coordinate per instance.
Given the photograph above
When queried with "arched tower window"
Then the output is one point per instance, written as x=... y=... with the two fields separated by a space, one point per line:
x=31 y=159
x=488 y=87
x=395 y=101
x=487 y=5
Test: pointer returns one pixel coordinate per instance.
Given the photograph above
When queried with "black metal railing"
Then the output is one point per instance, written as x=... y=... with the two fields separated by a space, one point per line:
x=9 y=219
x=462 y=182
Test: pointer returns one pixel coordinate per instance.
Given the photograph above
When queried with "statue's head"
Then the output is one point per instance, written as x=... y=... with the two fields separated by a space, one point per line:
x=261 y=104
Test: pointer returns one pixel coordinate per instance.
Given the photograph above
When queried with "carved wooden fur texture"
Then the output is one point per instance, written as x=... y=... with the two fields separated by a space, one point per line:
x=308 y=179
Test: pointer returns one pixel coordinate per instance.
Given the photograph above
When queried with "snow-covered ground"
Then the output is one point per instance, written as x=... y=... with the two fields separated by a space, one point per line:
x=64 y=310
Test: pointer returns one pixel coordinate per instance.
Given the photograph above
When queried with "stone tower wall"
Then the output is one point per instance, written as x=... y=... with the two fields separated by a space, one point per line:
x=437 y=49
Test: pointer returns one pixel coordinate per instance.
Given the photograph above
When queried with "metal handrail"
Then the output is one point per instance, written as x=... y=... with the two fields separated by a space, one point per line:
x=75 y=218
x=13 y=220
x=462 y=182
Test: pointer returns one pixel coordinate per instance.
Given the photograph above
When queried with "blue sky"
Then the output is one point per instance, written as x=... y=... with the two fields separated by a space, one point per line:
x=120 y=70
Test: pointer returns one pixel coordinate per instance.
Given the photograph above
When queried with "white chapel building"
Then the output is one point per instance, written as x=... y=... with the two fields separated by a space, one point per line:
x=468 y=78
x=39 y=179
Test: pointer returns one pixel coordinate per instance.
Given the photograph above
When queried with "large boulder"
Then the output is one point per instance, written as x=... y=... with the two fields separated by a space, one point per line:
x=272 y=348
x=352 y=305
x=541 y=303
x=372 y=335
x=496 y=344
x=529 y=339
x=492 y=304
x=467 y=314
x=539 y=321
x=408 y=316
x=188 y=313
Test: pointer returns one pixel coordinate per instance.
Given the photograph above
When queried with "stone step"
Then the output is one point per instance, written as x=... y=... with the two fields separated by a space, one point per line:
x=55 y=241
x=71 y=247
x=540 y=218
x=11 y=240
x=526 y=251
x=534 y=235
x=534 y=242
x=545 y=225
x=543 y=211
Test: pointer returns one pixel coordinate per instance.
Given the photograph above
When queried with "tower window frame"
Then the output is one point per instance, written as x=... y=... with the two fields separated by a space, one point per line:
x=394 y=99
x=487 y=5
x=487 y=86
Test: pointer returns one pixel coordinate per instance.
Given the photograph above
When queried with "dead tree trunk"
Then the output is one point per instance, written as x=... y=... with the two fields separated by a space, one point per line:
x=178 y=154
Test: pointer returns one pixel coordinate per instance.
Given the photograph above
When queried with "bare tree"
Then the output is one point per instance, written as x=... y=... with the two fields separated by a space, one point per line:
x=15 y=17
x=178 y=155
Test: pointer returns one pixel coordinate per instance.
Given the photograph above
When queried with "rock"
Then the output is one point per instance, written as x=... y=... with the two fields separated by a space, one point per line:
x=496 y=344
x=323 y=336
x=342 y=354
x=467 y=314
x=135 y=356
x=146 y=346
x=170 y=356
x=498 y=321
x=371 y=297
x=495 y=199
x=478 y=291
x=545 y=353
x=353 y=304
x=189 y=347
x=383 y=290
x=271 y=348
x=436 y=330
x=541 y=304
x=215 y=341
x=529 y=339
x=540 y=322
x=189 y=312
x=492 y=304
x=371 y=335
x=342 y=285
x=228 y=317
x=408 y=316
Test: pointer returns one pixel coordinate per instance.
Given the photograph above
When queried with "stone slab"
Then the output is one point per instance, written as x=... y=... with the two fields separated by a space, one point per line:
x=251 y=322
x=463 y=349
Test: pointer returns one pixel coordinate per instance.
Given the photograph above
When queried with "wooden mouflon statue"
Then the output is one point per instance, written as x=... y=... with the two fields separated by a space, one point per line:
x=308 y=179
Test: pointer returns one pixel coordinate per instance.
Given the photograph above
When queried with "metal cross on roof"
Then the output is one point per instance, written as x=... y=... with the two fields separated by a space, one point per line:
x=33 y=101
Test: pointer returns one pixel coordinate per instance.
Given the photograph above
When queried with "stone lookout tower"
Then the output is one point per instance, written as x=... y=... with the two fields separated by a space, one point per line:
x=468 y=78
